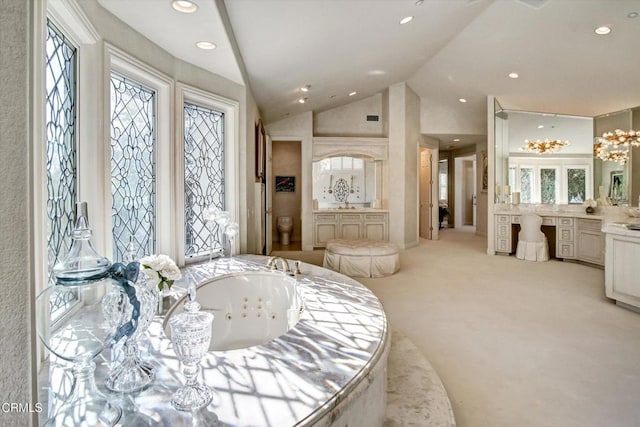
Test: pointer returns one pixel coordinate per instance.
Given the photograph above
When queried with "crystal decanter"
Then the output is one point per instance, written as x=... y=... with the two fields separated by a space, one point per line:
x=191 y=335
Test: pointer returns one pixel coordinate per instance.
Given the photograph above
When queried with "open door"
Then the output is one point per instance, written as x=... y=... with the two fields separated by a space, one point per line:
x=269 y=182
x=425 y=194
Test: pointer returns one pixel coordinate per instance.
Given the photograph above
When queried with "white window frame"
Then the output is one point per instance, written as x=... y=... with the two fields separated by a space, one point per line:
x=116 y=60
x=231 y=111
x=561 y=165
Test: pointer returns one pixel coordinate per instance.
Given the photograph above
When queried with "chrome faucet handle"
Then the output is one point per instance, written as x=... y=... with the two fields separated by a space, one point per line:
x=285 y=265
x=297 y=271
x=272 y=264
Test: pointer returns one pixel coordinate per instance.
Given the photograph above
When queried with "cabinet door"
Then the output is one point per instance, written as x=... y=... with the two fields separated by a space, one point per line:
x=590 y=246
x=351 y=230
x=324 y=233
x=375 y=231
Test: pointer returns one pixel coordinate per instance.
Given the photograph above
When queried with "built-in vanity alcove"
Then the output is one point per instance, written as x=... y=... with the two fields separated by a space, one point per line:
x=556 y=184
x=348 y=189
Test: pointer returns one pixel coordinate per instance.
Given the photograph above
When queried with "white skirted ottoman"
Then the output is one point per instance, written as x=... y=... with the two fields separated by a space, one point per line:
x=362 y=258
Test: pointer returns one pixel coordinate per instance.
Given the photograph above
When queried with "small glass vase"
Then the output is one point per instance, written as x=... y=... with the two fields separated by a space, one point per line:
x=191 y=336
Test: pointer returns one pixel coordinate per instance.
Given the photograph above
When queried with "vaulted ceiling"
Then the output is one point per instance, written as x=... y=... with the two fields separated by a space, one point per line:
x=452 y=49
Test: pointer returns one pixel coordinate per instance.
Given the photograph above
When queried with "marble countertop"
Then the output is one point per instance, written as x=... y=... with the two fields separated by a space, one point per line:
x=297 y=378
x=620 y=228
x=349 y=210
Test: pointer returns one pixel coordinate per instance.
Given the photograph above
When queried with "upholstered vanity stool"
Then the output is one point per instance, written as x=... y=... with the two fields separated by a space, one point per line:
x=532 y=243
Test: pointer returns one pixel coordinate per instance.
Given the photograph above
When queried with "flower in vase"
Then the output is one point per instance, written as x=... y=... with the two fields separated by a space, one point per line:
x=160 y=270
x=590 y=203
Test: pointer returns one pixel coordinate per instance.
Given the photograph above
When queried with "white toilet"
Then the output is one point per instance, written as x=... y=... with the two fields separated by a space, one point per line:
x=285 y=227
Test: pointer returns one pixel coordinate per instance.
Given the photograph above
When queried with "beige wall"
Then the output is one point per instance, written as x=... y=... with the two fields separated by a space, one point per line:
x=300 y=128
x=287 y=161
x=17 y=352
x=482 y=196
x=351 y=119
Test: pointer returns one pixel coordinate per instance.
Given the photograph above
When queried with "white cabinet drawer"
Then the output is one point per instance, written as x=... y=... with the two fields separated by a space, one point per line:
x=565 y=221
x=503 y=219
x=566 y=250
x=503 y=245
x=548 y=220
x=565 y=234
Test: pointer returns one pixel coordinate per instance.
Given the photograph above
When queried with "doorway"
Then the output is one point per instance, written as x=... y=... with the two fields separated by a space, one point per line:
x=425 y=194
x=285 y=186
x=465 y=191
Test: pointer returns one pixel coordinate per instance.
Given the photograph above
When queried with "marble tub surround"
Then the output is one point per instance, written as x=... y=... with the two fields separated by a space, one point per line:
x=329 y=368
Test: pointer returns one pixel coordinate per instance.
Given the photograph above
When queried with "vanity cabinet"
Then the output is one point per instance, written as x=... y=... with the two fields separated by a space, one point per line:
x=503 y=233
x=590 y=241
x=565 y=238
x=622 y=268
x=349 y=226
x=576 y=238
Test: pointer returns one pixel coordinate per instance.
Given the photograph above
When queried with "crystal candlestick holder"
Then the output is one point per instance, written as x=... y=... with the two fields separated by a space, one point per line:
x=191 y=335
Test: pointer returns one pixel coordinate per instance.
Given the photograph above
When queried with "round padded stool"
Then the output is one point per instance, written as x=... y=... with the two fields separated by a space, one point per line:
x=362 y=258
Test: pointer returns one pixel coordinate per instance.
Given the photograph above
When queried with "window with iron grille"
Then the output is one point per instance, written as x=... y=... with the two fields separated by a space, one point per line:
x=133 y=164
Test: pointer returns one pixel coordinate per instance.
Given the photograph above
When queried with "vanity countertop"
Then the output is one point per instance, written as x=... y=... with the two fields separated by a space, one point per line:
x=350 y=210
x=621 y=228
x=617 y=217
x=516 y=210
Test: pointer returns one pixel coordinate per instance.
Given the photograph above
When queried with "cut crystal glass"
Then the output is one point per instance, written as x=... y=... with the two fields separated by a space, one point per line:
x=191 y=336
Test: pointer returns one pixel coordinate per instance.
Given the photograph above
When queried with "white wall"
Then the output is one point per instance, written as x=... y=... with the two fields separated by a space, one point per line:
x=442 y=119
x=17 y=266
x=411 y=170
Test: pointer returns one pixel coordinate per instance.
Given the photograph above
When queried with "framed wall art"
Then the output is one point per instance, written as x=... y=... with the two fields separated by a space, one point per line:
x=285 y=184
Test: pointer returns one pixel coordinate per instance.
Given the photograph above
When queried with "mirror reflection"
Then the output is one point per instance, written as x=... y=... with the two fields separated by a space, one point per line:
x=546 y=158
x=346 y=182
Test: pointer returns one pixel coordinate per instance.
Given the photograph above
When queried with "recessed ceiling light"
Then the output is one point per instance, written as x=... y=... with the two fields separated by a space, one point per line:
x=302 y=100
x=352 y=93
x=456 y=140
x=462 y=100
x=184 y=6
x=376 y=72
x=206 y=45
x=540 y=126
x=603 y=30
x=305 y=88
x=514 y=75
x=632 y=15
x=406 y=20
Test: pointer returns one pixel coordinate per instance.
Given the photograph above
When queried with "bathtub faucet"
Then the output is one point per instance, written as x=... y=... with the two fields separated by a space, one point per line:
x=273 y=264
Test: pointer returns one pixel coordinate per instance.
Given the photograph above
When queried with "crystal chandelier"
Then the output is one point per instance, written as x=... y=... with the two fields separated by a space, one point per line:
x=614 y=146
x=546 y=146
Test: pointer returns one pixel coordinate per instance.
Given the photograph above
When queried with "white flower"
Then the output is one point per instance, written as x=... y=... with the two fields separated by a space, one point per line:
x=172 y=272
x=160 y=269
x=590 y=203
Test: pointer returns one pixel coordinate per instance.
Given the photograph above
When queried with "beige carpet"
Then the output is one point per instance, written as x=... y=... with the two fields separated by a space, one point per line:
x=516 y=343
